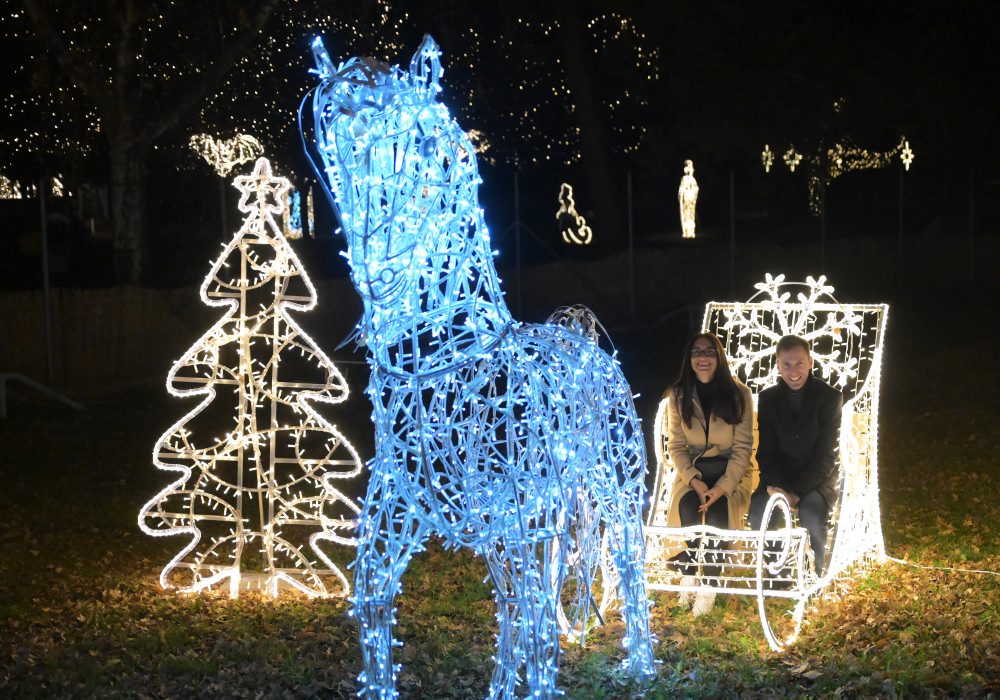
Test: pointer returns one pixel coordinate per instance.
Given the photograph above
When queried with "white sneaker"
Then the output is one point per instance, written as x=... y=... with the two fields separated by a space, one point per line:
x=685 y=598
x=703 y=603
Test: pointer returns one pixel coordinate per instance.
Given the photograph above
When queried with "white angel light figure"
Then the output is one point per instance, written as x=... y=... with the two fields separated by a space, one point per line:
x=687 y=197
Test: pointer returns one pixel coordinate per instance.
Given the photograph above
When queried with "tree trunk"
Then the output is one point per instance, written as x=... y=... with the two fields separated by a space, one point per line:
x=128 y=207
x=595 y=145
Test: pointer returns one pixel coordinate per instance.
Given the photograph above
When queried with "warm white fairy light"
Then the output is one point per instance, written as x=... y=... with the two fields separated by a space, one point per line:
x=906 y=155
x=767 y=158
x=225 y=154
x=792 y=158
x=847 y=349
x=841 y=158
x=259 y=503
x=573 y=226
x=10 y=189
x=512 y=439
x=829 y=163
x=687 y=199
x=479 y=141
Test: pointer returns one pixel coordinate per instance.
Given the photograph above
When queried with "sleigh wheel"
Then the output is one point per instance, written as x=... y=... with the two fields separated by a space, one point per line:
x=774 y=592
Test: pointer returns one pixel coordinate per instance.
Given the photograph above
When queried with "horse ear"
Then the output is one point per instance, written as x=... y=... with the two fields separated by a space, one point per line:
x=425 y=66
x=324 y=66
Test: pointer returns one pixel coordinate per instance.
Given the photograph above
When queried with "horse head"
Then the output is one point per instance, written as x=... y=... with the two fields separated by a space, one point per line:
x=398 y=167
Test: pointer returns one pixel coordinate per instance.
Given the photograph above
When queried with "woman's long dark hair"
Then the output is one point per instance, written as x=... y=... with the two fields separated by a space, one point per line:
x=728 y=398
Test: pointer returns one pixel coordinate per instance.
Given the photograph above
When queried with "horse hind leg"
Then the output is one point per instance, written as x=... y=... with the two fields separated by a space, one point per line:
x=388 y=537
x=528 y=634
x=627 y=549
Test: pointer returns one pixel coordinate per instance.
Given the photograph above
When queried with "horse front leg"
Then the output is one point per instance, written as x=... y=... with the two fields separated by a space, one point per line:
x=389 y=534
x=628 y=551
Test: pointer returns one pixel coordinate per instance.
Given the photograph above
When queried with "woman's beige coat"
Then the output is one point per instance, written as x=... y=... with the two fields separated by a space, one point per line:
x=687 y=445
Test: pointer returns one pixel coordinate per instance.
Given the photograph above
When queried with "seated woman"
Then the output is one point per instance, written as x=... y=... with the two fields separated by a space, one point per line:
x=710 y=441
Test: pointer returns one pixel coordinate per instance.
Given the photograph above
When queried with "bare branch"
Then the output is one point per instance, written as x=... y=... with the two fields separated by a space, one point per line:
x=85 y=74
x=195 y=93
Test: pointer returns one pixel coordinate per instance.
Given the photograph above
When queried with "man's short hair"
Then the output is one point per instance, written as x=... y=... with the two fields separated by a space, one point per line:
x=792 y=341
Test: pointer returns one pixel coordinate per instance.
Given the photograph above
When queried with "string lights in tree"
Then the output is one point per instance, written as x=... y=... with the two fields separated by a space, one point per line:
x=9 y=189
x=687 y=198
x=572 y=225
x=44 y=116
x=846 y=344
x=503 y=437
x=256 y=491
x=829 y=163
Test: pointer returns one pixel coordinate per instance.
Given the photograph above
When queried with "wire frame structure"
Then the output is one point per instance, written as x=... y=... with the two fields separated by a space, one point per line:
x=507 y=438
x=847 y=352
x=257 y=467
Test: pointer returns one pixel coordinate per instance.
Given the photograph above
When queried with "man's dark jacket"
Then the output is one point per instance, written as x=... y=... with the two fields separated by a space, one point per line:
x=798 y=451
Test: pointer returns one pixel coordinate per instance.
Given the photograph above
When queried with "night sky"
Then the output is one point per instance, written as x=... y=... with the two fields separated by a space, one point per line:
x=584 y=92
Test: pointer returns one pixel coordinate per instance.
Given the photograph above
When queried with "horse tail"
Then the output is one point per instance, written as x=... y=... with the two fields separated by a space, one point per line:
x=580 y=320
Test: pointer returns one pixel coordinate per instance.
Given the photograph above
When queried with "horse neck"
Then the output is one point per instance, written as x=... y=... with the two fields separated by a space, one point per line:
x=457 y=311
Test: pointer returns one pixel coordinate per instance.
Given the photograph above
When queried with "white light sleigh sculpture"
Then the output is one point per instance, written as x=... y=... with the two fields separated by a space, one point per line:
x=257 y=466
x=847 y=350
x=515 y=440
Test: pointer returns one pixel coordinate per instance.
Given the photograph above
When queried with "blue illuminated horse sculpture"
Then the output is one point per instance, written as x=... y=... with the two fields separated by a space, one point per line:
x=495 y=435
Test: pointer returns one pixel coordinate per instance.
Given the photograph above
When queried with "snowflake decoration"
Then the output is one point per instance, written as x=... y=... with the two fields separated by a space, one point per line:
x=819 y=317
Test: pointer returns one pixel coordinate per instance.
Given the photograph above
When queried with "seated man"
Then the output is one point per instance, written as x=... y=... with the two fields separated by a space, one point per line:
x=799 y=426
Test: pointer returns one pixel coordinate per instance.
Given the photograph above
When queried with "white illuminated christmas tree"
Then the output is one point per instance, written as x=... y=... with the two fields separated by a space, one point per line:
x=256 y=464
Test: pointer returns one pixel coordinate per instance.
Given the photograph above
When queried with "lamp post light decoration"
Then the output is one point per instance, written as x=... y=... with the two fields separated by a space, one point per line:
x=225 y=154
x=291 y=222
x=767 y=158
x=792 y=158
x=499 y=436
x=573 y=226
x=310 y=213
x=257 y=499
x=687 y=198
x=907 y=155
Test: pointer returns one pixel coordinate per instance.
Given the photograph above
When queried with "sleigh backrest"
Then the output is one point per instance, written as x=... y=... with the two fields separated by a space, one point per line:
x=846 y=344
x=846 y=339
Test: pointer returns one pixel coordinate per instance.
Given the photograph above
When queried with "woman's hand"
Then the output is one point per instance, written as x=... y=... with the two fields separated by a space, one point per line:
x=700 y=488
x=711 y=496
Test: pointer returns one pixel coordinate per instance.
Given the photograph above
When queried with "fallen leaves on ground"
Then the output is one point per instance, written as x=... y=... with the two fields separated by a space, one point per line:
x=82 y=614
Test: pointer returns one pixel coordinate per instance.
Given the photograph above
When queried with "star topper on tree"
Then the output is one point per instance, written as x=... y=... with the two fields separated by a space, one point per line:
x=254 y=491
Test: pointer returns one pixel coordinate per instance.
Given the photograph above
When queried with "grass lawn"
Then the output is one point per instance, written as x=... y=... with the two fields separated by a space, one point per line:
x=82 y=614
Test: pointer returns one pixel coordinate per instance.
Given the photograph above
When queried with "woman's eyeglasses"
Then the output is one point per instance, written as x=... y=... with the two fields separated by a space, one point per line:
x=702 y=352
